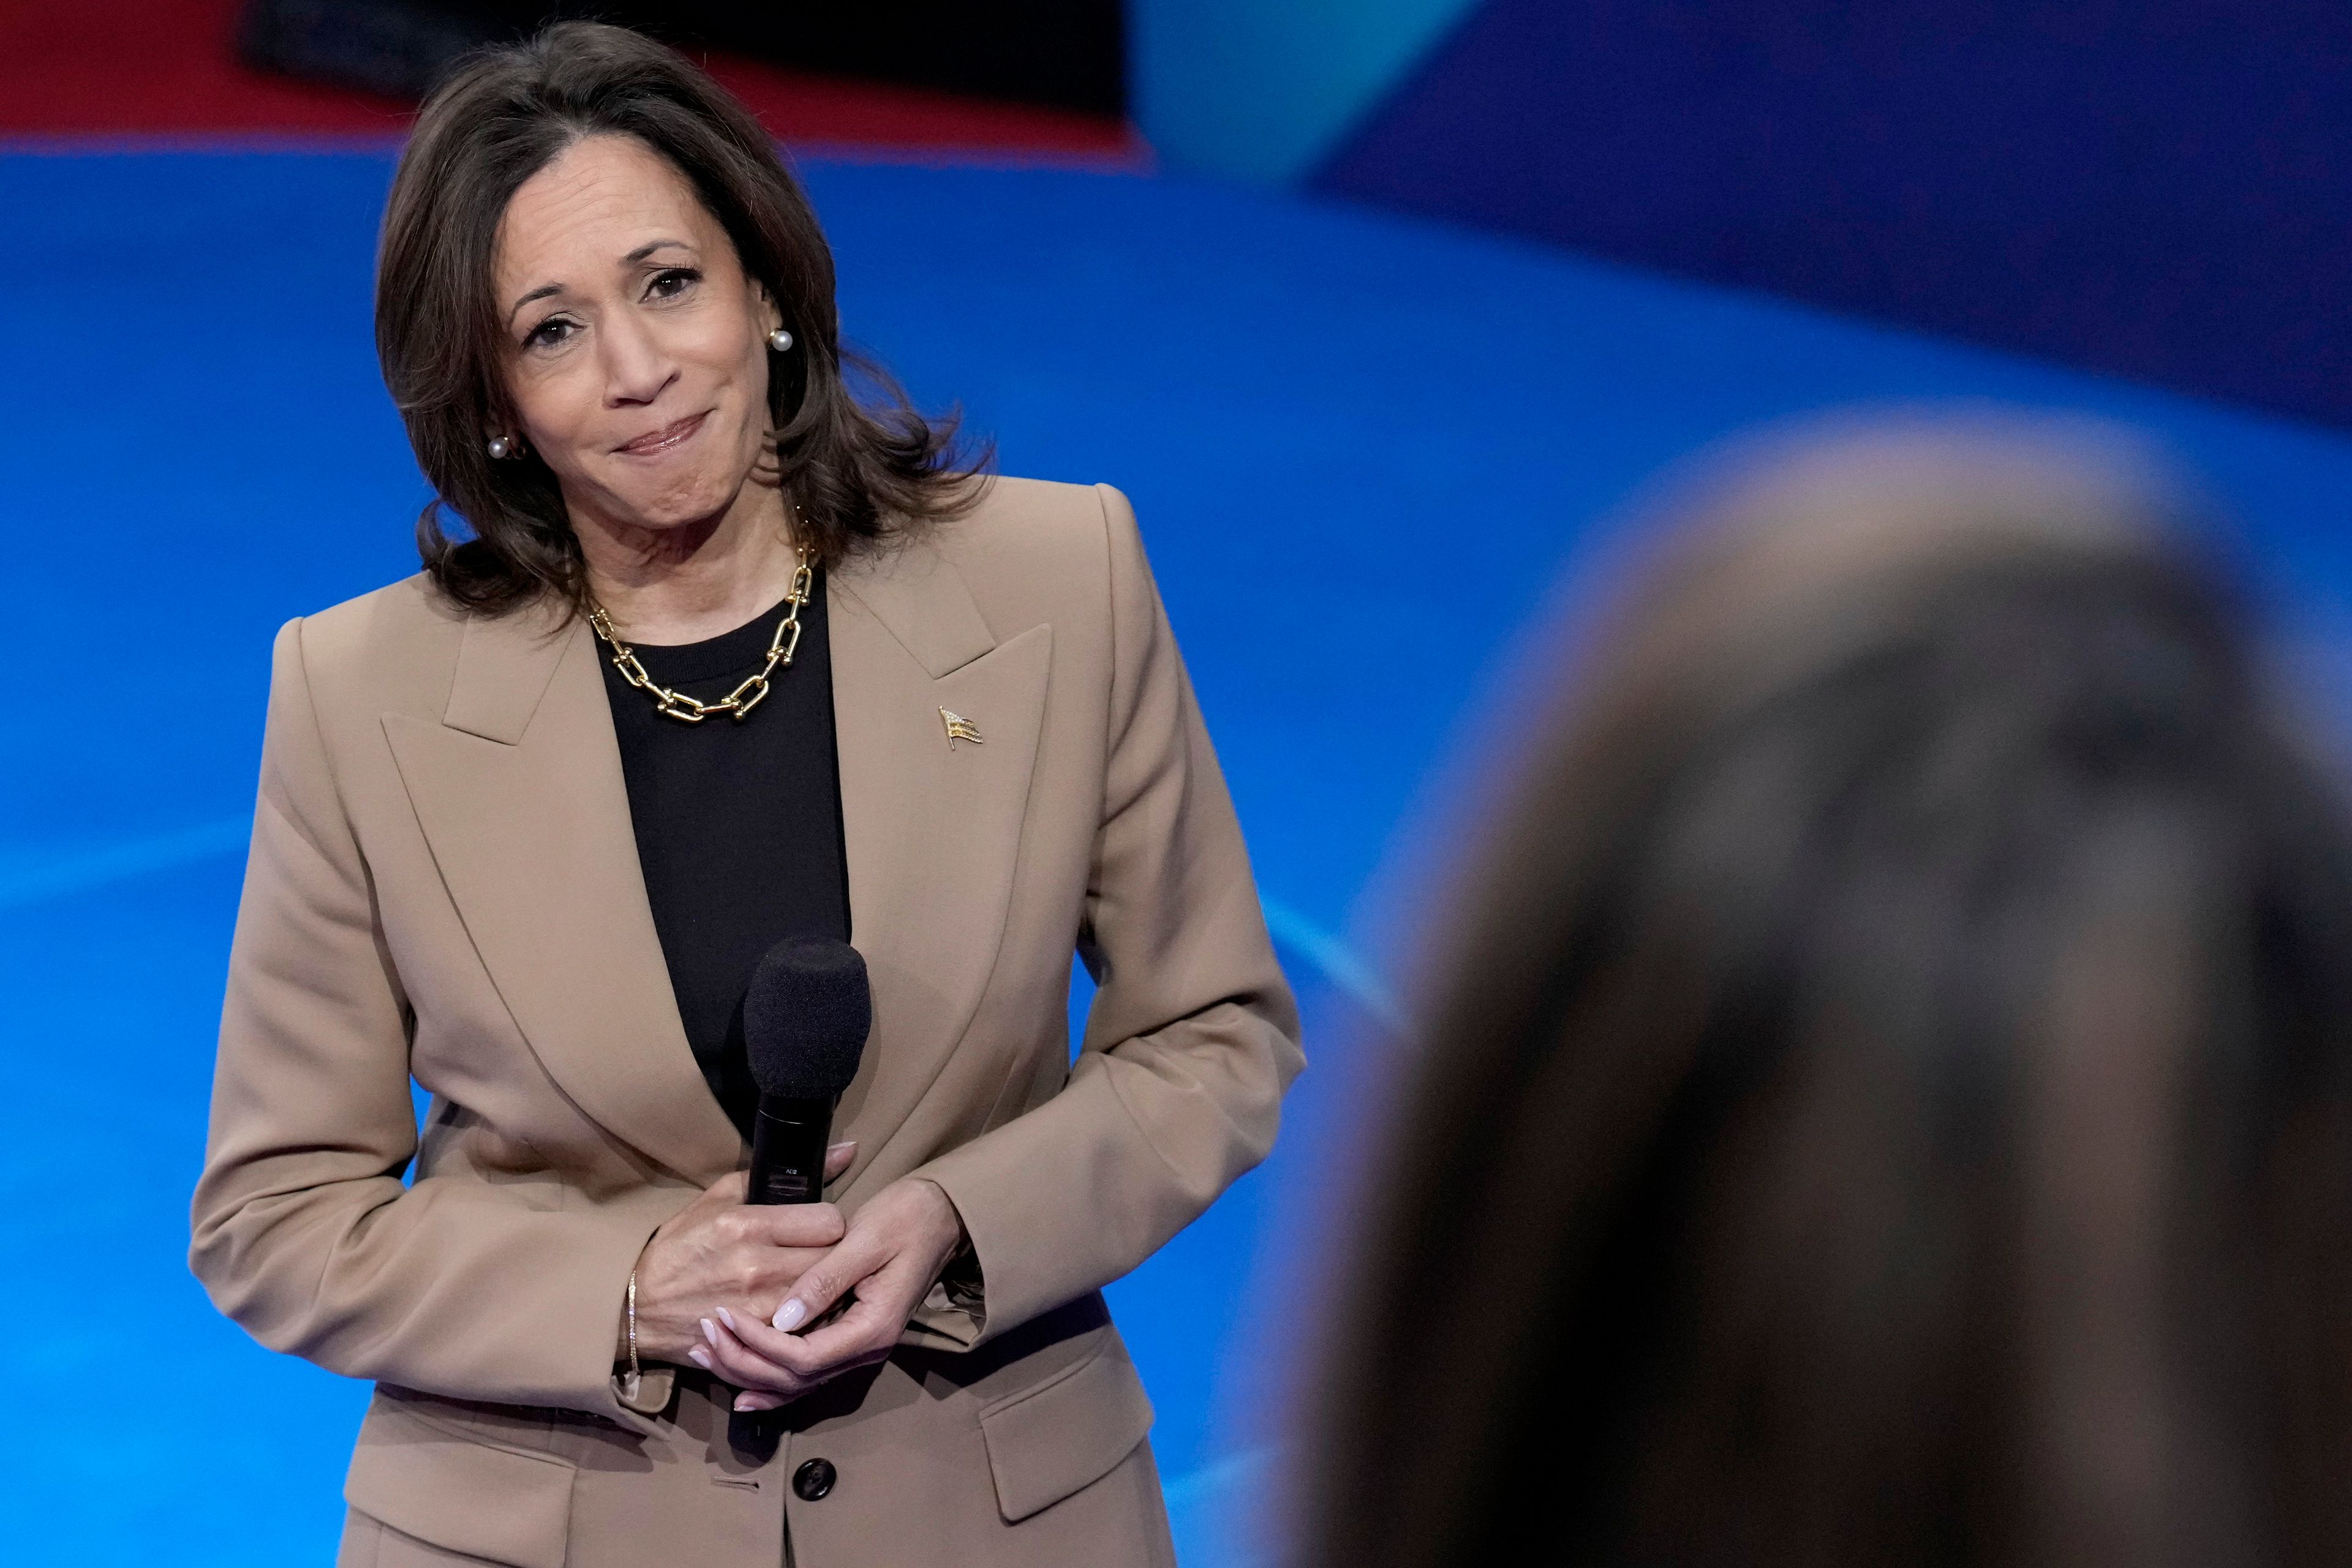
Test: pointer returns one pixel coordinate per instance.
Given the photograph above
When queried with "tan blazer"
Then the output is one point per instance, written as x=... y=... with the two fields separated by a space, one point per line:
x=443 y=883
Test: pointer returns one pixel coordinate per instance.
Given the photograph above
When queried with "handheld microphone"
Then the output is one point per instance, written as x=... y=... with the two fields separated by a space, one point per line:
x=805 y=1019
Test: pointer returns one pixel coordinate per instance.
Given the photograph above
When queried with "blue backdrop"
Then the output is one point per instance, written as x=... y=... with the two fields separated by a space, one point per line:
x=1363 y=447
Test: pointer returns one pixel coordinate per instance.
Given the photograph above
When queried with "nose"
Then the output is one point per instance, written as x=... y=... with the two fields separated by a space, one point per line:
x=636 y=367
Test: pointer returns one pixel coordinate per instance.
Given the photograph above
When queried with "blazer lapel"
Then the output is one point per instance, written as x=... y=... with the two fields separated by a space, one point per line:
x=932 y=823
x=520 y=794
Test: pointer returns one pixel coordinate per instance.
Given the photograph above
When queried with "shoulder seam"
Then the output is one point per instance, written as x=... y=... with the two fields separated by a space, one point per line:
x=317 y=741
x=1110 y=609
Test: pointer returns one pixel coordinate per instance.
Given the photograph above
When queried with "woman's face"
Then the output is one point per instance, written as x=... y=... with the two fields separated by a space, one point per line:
x=637 y=353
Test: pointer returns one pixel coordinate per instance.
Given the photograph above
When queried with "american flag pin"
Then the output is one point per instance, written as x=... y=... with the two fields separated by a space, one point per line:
x=959 y=729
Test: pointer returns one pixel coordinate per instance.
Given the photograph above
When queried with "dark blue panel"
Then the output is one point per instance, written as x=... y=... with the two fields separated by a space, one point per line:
x=2163 y=190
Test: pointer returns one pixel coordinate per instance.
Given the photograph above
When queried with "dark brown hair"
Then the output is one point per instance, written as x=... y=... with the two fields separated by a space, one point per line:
x=1886 y=1092
x=856 y=469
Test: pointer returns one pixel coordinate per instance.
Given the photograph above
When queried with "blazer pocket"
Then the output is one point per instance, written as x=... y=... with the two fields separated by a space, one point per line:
x=429 y=1477
x=1046 y=1442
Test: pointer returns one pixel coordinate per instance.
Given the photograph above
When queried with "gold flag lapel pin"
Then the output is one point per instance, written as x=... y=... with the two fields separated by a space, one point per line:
x=959 y=729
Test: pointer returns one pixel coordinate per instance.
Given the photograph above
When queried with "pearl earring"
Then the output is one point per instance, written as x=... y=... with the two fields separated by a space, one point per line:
x=501 y=447
x=780 y=340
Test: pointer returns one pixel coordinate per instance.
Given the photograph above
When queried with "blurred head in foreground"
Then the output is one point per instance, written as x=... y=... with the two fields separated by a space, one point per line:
x=1887 y=1083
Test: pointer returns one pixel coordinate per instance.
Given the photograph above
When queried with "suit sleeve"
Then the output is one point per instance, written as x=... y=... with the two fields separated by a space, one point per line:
x=1192 y=1037
x=303 y=1231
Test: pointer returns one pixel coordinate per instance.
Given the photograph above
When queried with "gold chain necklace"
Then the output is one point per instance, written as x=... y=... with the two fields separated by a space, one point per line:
x=744 y=698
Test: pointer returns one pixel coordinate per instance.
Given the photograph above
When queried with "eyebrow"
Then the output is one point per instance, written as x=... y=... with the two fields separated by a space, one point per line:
x=541 y=292
x=639 y=254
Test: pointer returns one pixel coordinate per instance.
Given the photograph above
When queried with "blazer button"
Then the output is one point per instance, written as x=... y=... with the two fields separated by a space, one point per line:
x=813 y=1480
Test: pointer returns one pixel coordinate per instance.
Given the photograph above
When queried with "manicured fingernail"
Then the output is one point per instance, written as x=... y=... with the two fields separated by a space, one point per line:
x=789 y=1315
x=699 y=1357
x=710 y=1331
x=745 y=1402
x=727 y=1318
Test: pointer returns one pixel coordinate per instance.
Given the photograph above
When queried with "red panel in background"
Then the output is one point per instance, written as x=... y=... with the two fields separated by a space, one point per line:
x=104 y=69
x=804 y=109
x=101 y=68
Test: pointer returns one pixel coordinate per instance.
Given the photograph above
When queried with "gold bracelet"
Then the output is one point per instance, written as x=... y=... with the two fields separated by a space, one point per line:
x=636 y=1372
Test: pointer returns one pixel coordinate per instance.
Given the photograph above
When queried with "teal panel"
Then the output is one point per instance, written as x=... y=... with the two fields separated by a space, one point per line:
x=1262 y=90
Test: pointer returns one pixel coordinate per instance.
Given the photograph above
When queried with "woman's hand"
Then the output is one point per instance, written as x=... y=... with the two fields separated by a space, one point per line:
x=883 y=1268
x=717 y=1254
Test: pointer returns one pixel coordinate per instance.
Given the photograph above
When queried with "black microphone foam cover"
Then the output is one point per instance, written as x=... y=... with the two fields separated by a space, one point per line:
x=806 y=1016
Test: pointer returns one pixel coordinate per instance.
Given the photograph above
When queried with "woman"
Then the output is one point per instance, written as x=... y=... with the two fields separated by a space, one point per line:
x=730 y=658
x=1888 y=1086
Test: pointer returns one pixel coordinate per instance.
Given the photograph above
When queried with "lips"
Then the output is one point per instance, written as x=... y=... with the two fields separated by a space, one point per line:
x=653 y=442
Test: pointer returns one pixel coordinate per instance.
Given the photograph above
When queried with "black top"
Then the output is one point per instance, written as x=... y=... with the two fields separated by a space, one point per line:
x=738 y=824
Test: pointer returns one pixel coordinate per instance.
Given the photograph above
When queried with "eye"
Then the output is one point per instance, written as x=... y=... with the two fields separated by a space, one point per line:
x=548 y=333
x=670 y=282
